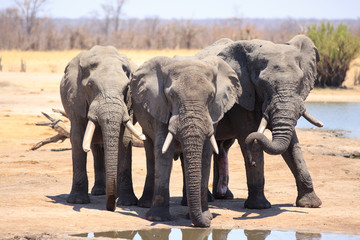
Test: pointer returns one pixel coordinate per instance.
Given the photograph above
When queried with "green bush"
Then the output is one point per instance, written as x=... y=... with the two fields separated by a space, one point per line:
x=337 y=47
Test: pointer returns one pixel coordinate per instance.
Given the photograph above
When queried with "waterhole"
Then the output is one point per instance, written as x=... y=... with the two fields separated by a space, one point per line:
x=215 y=234
x=335 y=116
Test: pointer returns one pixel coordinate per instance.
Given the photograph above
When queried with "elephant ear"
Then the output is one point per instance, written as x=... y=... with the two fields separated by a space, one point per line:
x=227 y=87
x=236 y=56
x=72 y=96
x=147 y=88
x=309 y=56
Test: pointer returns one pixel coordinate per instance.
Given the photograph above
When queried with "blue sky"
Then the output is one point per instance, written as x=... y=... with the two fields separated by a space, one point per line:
x=200 y=9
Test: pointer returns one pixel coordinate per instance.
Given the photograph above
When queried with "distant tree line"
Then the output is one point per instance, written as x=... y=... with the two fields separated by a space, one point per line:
x=21 y=28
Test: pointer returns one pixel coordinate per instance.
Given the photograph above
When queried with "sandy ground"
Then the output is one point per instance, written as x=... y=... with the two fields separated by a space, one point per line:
x=34 y=184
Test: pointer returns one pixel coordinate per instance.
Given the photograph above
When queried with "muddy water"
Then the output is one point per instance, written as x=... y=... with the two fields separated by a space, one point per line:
x=216 y=234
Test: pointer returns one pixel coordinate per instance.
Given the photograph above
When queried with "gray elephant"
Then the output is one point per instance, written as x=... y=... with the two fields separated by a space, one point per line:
x=275 y=79
x=177 y=101
x=95 y=95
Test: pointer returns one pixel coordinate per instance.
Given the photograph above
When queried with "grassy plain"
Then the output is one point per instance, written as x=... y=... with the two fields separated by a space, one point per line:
x=56 y=61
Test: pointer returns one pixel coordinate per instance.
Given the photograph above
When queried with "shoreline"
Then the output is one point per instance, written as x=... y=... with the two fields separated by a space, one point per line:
x=334 y=95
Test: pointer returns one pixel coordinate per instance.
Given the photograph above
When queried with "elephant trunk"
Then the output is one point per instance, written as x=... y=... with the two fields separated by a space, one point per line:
x=111 y=125
x=110 y=114
x=283 y=119
x=192 y=150
x=193 y=134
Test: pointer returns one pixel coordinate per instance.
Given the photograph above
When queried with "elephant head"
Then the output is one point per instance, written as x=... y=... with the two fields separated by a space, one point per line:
x=190 y=96
x=95 y=89
x=280 y=76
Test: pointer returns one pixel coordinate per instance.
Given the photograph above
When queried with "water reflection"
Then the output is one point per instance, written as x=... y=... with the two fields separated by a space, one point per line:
x=335 y=116
x=214 y=234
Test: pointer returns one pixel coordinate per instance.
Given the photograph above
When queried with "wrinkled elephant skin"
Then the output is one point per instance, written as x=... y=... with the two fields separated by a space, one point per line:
x=177 y=102
x=275 y=79
x=94 y=93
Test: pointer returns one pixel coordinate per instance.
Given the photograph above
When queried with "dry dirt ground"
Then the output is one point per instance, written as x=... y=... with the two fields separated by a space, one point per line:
x=34 y=184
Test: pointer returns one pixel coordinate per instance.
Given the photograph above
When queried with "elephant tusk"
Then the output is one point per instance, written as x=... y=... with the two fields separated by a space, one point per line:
x=312 y=119
x=89 y=133
x=135 y=132
x=214 y=144
x=167 y=142
x=262 y=126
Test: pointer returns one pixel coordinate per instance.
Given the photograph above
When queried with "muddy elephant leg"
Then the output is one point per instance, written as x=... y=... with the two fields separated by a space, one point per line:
x=159 y=210
x=295 y=160
x=80 y=184
x=99 y=168
x=148 y=192
x=125 y=189
x=221 y=171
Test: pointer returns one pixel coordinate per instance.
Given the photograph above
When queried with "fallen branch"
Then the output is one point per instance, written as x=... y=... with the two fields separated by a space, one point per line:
x=56 y=124
x=52 y=139
x=63 y=130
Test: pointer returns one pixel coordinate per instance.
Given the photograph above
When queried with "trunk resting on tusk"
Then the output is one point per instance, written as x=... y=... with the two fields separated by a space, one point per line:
x=167 y=142
x=214 y=144
x=135 y=132
x=312 y=119
x=262 y=127
x=89 y=132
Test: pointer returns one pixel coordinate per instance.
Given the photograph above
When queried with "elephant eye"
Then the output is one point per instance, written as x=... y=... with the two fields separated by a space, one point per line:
x=90 y=84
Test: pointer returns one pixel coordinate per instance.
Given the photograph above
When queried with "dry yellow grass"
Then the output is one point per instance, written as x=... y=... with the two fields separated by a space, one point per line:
x=56 y=61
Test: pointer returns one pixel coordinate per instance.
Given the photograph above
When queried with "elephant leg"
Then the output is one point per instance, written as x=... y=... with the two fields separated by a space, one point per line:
x=80 y=184
x=159 y=210
x=125 y=190
x=99 y=168
x=255 y=179
x=221 y=171
x=295 y=160
x=205 y=174
x=148 y=192
x=184 y=198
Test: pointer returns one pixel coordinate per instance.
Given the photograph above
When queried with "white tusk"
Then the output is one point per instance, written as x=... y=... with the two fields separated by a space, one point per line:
x=135 y=132
x=167 y=142
x=262 y=126
x=89 y=133
x=214 y=144
x=312 y=119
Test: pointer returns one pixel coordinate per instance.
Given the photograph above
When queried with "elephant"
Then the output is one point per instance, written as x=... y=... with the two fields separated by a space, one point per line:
x=95 y=95
x=177 y=101
x=275 y=81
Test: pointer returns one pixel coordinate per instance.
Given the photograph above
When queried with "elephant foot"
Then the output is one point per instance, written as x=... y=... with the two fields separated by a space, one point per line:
x=98 y=189
x=309 y=200
x=78 y=198
x=257 y=202
x=209 y=195
x=228 y=195
x=127 y=199
x=145 y=201
x=158 y=214
x=204 y=221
